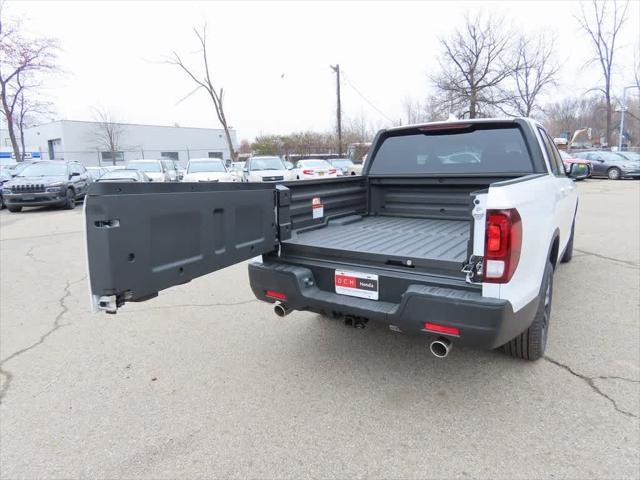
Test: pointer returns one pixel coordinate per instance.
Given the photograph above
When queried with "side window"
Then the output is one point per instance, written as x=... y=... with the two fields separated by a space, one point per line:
x=556 y=157
x=74 y=168
x=549 y=150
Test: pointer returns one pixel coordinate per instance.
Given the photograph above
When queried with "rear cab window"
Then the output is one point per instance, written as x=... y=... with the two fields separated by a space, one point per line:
x=475 y=149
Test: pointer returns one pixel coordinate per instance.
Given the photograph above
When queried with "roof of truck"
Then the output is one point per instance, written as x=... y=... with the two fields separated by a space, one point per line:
x=465 y=122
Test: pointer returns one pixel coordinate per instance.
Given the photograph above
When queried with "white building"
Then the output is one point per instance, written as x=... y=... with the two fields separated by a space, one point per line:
x=83 y=141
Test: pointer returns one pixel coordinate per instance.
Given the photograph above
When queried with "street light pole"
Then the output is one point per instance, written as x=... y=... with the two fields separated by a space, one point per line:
x=623 y=108
x=336 y=69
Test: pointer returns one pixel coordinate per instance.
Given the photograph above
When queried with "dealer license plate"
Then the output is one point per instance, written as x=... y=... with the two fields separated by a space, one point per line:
x=363 y=285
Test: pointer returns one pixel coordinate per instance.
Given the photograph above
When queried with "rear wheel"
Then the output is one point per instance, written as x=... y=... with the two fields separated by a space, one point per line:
x=70 y=204
x=614 y=173
x=531 y=344
x=13 y=209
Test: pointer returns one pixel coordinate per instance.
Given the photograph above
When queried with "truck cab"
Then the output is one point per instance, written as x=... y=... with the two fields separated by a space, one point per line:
x=452 y=232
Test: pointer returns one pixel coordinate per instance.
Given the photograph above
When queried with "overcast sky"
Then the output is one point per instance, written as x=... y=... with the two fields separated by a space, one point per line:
x=272 y=58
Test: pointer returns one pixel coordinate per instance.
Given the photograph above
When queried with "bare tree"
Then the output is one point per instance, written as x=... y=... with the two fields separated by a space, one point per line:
x=28 y=110
x=573 y=113
x=20 y=58
x=205 y=81
x=636 y=65
x=602 y=23
x=107 y=134
x=533 y=72
x=473 y=65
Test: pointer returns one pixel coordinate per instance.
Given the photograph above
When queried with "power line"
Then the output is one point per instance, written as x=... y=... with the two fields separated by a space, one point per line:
x=346 y=78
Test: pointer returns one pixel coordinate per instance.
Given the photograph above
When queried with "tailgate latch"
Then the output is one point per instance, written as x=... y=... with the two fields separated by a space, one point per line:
x=473 y=269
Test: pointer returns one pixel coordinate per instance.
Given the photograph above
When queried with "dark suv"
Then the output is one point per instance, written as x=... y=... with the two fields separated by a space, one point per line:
x=47 y=183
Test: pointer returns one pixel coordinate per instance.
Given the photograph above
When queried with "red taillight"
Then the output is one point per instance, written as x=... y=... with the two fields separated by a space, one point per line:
x=278 y=295
x=307 y=172
x=502 y=245
x=332 y=171
x=434 y=327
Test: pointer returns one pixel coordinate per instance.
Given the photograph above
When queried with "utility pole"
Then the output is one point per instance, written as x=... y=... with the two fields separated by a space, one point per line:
x=336 y=69
x=623 y=108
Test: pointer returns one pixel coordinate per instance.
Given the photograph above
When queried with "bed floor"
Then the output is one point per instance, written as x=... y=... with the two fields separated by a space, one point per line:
x=412 y=238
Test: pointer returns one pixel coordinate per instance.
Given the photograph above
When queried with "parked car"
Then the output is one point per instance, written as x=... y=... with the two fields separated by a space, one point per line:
x=313 y=168
x=451 y=252
x=344 y=166
x=611 y=165
x=266 y=169
x=568 y=160
x=46 y=182
x=172 y=169
x=4 y=178
x=124 y=175
x=633 y=156
x=14 y=169
x=209 y=170
x=96 y=172
x=155 y=169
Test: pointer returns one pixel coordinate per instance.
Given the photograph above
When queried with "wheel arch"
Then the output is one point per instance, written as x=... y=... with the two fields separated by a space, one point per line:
x=554 y=248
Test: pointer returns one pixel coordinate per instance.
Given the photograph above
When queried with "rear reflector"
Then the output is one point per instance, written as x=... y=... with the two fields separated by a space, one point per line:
x=278 y=295
x=434 y=327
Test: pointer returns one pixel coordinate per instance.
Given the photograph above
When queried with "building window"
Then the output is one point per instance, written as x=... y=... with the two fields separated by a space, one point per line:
x=170 y=155
x=54 y=148
x=112 y=157
x=215 y=155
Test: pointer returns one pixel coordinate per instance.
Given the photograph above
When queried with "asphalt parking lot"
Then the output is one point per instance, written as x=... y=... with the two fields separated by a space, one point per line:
x=205 y=381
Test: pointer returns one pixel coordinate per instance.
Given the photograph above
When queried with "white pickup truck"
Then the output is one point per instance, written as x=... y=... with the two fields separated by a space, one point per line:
x=453 y=232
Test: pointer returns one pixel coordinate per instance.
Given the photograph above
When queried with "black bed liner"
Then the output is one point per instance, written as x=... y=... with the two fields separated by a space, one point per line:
x=421 y=240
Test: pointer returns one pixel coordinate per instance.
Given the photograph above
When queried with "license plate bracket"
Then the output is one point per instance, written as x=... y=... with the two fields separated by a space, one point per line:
x=357 y=284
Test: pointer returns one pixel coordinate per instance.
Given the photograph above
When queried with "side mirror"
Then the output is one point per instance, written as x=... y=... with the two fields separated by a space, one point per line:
x=578 y=171
x=74 y=174
x=245 y=170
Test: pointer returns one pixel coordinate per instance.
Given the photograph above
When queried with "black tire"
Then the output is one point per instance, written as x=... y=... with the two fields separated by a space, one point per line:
x=70 y=203
x=14 y=209
x=614 y=173
x=568 y=252
x=532 y=343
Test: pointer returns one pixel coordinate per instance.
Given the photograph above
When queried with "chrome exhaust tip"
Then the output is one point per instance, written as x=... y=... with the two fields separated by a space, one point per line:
x=440 y=347
x=282 y=309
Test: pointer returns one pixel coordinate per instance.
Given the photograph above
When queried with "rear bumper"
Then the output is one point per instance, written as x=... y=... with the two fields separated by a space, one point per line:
x=483 y=322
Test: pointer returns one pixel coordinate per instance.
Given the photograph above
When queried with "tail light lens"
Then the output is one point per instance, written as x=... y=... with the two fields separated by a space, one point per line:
x=332 y=171
x=502 y=245
x=307 y=172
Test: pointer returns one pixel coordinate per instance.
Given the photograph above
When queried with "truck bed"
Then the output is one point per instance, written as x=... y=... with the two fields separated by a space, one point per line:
x=396 y=239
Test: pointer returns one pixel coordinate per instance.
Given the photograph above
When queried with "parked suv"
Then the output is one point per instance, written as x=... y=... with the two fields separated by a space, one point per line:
x=266 y=169
x=46 y=183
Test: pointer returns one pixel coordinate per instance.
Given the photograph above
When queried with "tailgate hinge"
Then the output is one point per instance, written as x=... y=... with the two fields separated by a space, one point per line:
x=283 y=216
